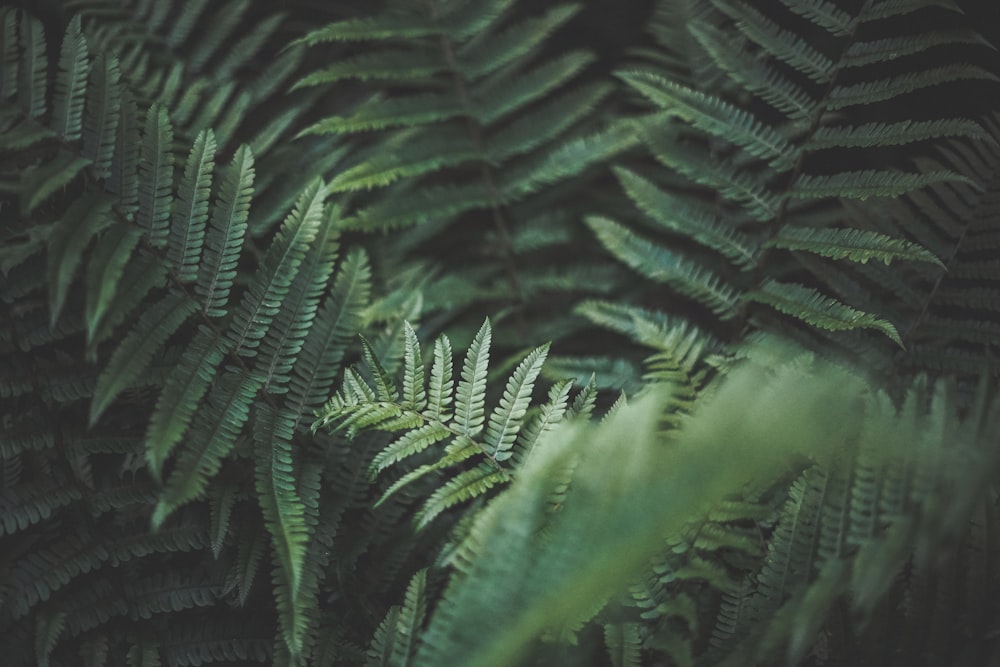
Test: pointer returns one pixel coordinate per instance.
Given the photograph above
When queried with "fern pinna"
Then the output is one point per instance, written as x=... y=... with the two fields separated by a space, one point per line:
x=184 y=364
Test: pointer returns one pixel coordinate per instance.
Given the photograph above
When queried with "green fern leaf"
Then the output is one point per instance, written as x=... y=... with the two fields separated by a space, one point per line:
x=71 y=82
x=824 y=14
x=137 y=349
x=583 y=404
x=385 y=388
x=862 y=53
x=10 y=55
x=337 y=323
x=888 y=9
x=410 y=621
x=870 y=183
x=38 y=184
x=102 y=114
x=661 y=265
x=782 y=44
x=410 y=443
x=624 y=644
x=459 y=450
x=156 y=176
x=754 y=75
x=227 y=227
x=550 y=414
x=818 y=310
x=222 y=499
x=86 y=217
x=48 y=628
x=143 y=655
x=398 y=65
x=284 y=516
x=213 y=436
x=104 y=274
x=894 y=134
x=678 y=215
x=464 y=486
x=506 y=419
x=414 y=394
x=185 y=386
x=142 y=274
x=857 y=245
x=716 y=117
x=124 y=179
x=470 y=397
x=379 y=114
x=441 y=384
x=271 y=284
x=32 y=87
x=281 y=347
x=889 y=88
x=187 y=227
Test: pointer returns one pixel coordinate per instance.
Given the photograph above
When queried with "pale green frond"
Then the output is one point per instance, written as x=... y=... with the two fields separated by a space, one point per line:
x=470 y=397
x=549 y=415
x=410 y=622
x=506 y=419
x=439 y=392
x=385 y=387
x=464 y=486
x=414 y=393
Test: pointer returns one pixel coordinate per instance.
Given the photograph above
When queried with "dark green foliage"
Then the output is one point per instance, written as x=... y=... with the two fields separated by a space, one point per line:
x=738 y=407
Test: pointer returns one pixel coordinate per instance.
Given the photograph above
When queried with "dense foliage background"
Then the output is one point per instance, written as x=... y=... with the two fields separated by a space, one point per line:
x=484 y=332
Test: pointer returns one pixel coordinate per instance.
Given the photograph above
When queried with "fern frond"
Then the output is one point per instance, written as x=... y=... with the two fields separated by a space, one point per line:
x=187 y=226
x=676 y=214
x=895 y=134
x=71 y=83
x=857 y=245
x=818 y=310
x=506 y=419
x=284 y=515
x=716 y=117
x=226 y=229
x=470 y=396
x=184 y=388
x=137 y=349
x=213 y=436
x=156 y=176
x=104 y=274
x=659 y=264
x=464 y=486
x=280 y=266
x=32 y=85
x=86 y=217
x=439 y=393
